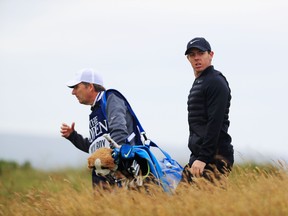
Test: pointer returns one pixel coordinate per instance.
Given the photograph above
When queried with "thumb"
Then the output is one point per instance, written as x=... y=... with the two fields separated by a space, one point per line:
x=73 y=126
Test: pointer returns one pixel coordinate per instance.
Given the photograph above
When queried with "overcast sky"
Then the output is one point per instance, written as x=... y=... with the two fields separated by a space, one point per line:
x=138 y=46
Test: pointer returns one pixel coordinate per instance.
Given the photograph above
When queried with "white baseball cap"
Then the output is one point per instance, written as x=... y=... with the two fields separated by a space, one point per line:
x=85 y=75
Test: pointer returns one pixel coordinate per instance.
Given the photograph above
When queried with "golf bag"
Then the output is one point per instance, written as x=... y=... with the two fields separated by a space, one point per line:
x=132 y=158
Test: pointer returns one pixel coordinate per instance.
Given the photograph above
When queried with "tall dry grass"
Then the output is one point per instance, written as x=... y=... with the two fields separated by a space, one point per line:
x=249 y=190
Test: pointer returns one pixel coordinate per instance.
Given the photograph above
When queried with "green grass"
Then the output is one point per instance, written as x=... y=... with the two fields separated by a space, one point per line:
x=20 y=179
x=251 y=189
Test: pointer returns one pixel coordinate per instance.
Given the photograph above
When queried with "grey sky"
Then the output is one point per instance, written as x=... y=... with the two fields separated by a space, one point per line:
x=138 y=47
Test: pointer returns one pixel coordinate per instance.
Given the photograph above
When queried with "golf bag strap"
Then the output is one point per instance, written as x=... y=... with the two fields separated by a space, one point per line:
x=151 y=143
x=104 y=102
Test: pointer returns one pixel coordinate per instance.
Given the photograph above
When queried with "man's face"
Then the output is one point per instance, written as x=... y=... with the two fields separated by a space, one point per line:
x=199 y=60
x=83 y=93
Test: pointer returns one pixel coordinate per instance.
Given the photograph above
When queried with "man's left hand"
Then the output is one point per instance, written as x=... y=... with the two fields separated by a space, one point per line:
x=197 y=168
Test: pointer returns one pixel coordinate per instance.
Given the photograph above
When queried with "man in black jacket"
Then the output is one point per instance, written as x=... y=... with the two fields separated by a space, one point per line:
x=208 y=114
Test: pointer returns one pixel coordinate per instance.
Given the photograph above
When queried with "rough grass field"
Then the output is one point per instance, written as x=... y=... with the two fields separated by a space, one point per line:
x=249 y=190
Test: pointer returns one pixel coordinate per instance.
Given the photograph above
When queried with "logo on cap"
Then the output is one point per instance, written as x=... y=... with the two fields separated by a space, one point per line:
x=191 y=42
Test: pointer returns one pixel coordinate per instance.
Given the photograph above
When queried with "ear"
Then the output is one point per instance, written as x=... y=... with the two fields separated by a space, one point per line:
x=211 y=54
x=91 y=87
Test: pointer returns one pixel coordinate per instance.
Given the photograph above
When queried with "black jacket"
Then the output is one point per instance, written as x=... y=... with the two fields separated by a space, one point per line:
x=208 y=117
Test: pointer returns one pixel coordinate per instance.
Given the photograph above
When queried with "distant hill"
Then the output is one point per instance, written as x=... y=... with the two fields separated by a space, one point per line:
x=46 y=152
x=41 y=151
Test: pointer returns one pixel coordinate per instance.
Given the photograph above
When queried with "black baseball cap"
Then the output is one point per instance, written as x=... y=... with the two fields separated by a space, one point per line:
x=199 y=43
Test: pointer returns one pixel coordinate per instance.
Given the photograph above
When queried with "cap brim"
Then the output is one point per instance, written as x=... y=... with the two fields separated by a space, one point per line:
x=72 y=83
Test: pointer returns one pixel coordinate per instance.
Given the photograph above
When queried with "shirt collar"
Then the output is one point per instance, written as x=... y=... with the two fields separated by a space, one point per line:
x=97 y=98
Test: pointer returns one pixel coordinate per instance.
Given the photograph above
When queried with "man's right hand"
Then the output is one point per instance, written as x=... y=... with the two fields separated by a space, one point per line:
x=66 y=130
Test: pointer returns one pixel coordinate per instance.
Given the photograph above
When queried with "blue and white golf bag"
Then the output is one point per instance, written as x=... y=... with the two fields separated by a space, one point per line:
x=166 y=171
